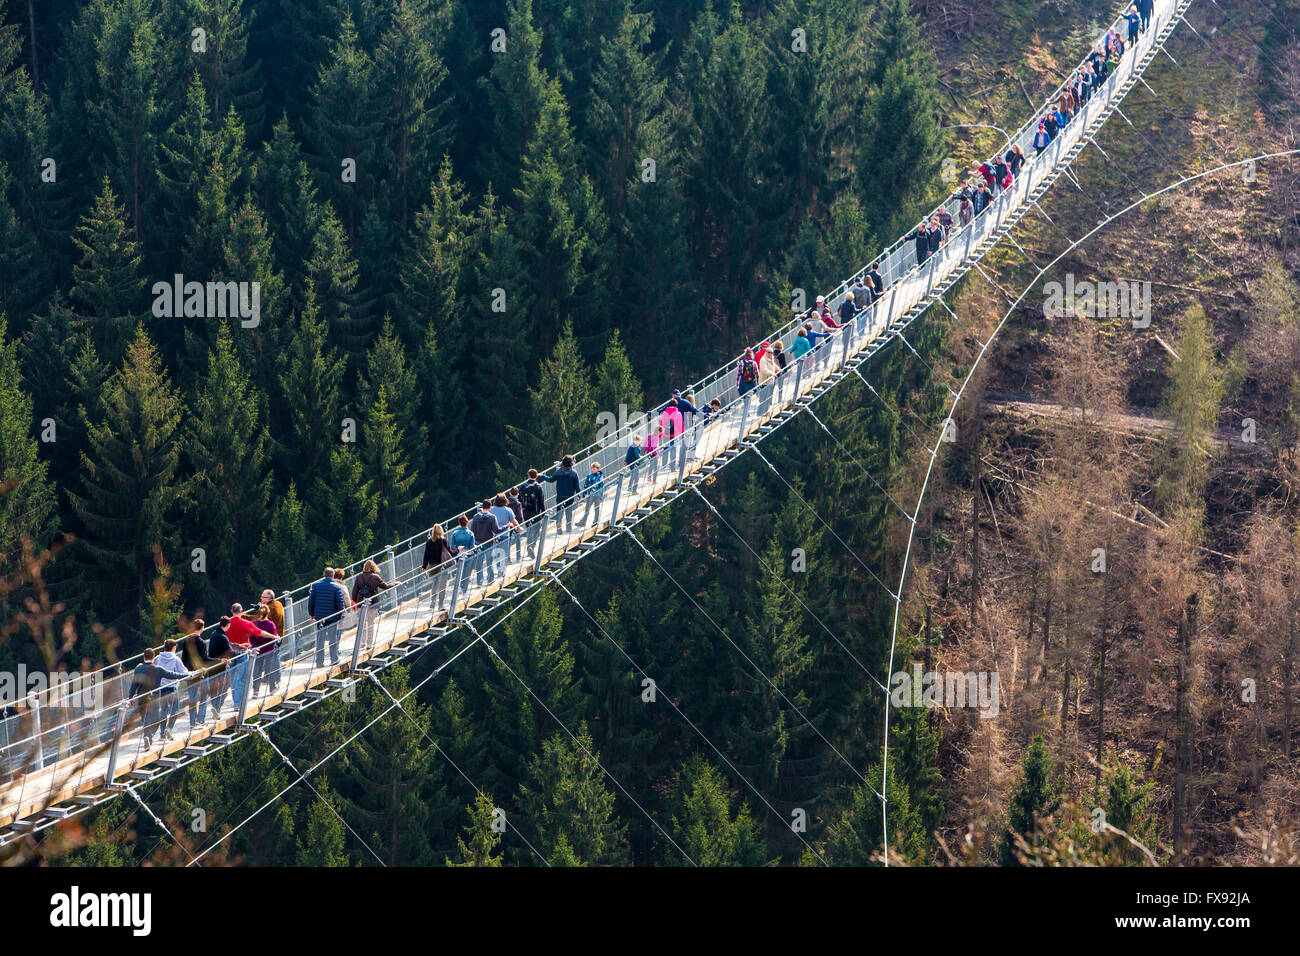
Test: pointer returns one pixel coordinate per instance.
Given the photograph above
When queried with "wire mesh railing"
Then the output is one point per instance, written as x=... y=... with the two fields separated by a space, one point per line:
x=93 y=726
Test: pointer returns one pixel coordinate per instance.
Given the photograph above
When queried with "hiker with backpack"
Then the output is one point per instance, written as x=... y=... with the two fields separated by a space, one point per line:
x=532 y=502
x=566 y=487
x=365 y=591
x=746 y=373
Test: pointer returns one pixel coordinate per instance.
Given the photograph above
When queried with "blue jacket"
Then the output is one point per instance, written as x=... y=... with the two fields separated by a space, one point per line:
x=634 y=453
x=801 y=346
x=325 y=601
x=593 y=486
x=461 y=539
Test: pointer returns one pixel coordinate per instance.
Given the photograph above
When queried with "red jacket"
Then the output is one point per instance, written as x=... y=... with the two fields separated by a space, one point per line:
x=242 y=631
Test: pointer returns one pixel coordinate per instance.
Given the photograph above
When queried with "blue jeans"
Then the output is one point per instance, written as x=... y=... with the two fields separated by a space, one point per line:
x=327 y=634
x=238 y=677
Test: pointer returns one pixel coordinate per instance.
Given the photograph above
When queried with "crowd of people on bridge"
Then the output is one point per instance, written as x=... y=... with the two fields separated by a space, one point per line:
x=241 y=656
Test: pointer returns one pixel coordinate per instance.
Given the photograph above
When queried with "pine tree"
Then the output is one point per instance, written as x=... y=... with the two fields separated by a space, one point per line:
x=388 y=472
x=324 y=838
x=343 y=506
x=853 y=839
x=616 y=382
x=289 y=197
x=901 y=139
x=480 y=844
x=705 y=825
x=515 y=723
x=563 y=413
x=307 y=420
x=132 y=488
x=390 y=782
x=560 y=226
x=1191 y=401
x=332 y=273
x=344 y=125
x=107 y=282
x=1036 y=796
x=28 y=504
x=409 y=77
x=570 y=807
x=289 y=551
x=230 y=80
x=516 y=90
x=229 y=454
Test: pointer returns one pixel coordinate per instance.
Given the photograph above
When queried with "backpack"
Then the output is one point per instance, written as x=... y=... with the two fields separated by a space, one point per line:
x=748 y=371
x=532 y=499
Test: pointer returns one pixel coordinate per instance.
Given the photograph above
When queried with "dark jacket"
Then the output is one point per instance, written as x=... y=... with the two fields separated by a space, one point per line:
x=436 y=551
x=922 y=239
x=367 y=585
x=532 y=499
x=483 y=526
x=566 y=483
x=148 y=677
x=325 y=601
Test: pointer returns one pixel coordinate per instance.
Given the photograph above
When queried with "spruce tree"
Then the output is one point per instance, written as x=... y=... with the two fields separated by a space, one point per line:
x=390 y=782
x=478 y=844
x=290 y=552
x=515 y=723
x=107 y=282
x=28 y=504
x=306 y=420
x=344 y=124
x=705 y=825
x=1036 y=796
x=132 y=488
x=569 y=805
x=388 y=471
x=229 y=456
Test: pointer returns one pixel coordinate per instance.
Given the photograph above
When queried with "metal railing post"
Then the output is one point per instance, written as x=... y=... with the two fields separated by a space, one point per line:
x=117 y=743
x=544 y=518
x=248 y=687
x=390 y=597
x=363 y=611
x=458 y=565
x=618 y=497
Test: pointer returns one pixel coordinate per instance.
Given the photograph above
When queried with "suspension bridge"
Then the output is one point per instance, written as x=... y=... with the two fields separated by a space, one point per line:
x=83 y=742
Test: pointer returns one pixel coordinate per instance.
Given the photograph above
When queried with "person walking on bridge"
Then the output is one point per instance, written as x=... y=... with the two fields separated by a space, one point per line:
x=633 y=461
x=566 y=487
x=1134 y=24
x=1145 y=8
x=746 y=373
x=438 y=552
x=326 y=602
x=532 y=501
x=365 y=591
x=593 y=493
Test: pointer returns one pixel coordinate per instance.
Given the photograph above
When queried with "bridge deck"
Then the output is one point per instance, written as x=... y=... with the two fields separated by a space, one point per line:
x=69 y=770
